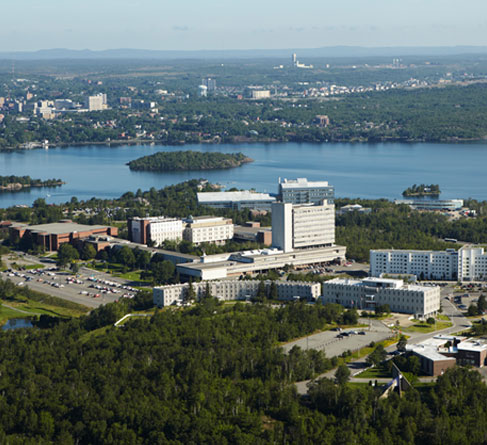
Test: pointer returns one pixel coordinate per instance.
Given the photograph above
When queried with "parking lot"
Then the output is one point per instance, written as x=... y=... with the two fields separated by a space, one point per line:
x=89 y=288
x=336 y=343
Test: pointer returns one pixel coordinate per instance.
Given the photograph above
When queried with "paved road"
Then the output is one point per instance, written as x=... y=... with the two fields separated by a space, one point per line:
x=460 y=323
x=334 y=346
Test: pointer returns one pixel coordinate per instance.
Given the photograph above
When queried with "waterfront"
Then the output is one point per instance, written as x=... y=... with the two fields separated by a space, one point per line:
x=356 y=170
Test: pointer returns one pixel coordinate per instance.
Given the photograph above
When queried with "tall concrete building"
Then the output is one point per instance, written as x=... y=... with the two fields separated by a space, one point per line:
x=302 y=226
x=302 y=191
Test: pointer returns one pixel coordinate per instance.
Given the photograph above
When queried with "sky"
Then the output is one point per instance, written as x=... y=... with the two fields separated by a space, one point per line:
x=239 y=24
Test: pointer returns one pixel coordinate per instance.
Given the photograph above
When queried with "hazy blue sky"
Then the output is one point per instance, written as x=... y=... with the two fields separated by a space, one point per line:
x=239 y=24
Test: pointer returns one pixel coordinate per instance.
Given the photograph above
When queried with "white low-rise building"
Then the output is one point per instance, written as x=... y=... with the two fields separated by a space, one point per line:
x=421 y=301
x=244 y=199
x=235 y=290
x=467 y=264
x=208 y=229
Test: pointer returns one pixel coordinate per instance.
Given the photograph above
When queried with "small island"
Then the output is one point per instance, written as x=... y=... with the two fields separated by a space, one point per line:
x=15 y=183
x=422 y=190
x=188 y=160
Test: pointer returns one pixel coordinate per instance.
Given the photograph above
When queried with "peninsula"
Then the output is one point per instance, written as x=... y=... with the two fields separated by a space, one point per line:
x=188 y=160
x=14 y=183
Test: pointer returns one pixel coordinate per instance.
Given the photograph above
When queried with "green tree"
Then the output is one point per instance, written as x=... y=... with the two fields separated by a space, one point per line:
x=481 y=304
x=88 y=252
x=342 y=374
x=377 y=356
x=190 y=295
x=66 y=254
x=273 y=291
x=208 y=290
x=401 y=344
x=74 y=266
x=472 y=310
x=261 y=292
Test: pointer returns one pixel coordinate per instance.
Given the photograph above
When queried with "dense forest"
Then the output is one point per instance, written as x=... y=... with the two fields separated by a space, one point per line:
x=19 y=182
x=165 y=161
x=211 y=374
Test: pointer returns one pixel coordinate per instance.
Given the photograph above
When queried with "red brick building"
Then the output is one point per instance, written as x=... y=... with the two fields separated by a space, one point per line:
x=51 y=236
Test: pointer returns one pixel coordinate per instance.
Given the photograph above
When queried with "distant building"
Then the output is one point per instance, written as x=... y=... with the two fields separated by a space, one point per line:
x=302 y=226
x=234 y=290
x=202 y=91
x=63 y=104
x=209 y=83
x=51 y=236
x=155 y=230
x=353 y=208
x=260 y=94
x=96 y=103
x=432 y=204
x=207 y=229
x=236 y=200
x=302 y=191
x=421 y=301
x=296 y=64
x=322 y=120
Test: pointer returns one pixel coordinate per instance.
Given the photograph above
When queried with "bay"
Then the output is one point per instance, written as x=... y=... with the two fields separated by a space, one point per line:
x=373 y=171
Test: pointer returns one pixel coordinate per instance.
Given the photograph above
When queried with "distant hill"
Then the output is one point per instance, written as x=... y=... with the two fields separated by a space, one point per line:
x=331 y=51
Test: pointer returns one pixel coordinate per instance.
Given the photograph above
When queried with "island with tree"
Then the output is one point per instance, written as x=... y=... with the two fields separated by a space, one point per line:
x=14 y=183
x=188 y=160
x=422 y=190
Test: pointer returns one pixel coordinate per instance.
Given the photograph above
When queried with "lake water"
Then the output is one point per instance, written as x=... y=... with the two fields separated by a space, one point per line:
x=17 y=323
x=356 y=170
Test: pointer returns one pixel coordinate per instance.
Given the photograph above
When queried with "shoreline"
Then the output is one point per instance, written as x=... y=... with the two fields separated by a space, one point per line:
x=243 y=140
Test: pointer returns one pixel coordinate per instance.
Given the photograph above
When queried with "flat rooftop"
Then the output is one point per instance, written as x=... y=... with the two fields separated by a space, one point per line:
x=60 y=228
x=302 y=183
x=239 y=196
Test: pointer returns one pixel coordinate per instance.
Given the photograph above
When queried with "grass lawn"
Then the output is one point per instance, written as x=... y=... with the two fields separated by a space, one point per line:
x=442 y=317
x=425 y=328
x=41 y=307
x=7 y=313
x=374 y=373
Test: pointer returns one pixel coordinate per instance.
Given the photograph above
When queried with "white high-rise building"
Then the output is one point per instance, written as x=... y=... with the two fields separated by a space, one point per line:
x=96 y=103
x=422 y=301
x=302 y=191
x=467 y=264
x=302 y=226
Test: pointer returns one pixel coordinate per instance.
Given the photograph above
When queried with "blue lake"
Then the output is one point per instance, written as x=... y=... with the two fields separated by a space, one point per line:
x=356 y=170
x=17 y=323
